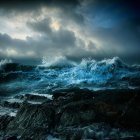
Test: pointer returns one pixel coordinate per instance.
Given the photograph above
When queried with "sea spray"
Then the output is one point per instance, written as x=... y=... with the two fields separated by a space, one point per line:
x=60 y=73
x=3 y=62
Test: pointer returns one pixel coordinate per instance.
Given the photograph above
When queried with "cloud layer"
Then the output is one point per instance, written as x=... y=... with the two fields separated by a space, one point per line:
x=75 y=29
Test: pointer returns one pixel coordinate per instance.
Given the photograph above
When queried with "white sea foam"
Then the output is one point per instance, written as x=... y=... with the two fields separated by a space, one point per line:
x=59 y=61
x=107 y=73
x=50 y=137
x=91 y=74
x=7 y=111
x=49 y=96
x=4 y=62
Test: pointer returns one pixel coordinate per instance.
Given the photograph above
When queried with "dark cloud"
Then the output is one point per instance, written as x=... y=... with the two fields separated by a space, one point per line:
x=116 y=24
x=42 y=26
x=6 y=41
x=34 y=4
x=56 y=44
x=126 y=4
x=65 y=38
x=88 y=28
x=67 y=8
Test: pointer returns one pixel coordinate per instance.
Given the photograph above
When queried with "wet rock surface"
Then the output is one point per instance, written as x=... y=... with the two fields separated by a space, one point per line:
x=74 y=114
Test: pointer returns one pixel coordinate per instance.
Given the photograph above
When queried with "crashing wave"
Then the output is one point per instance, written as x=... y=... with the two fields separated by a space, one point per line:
x=57 y=62
x=98 y=72
x=4 y=62
x=106 y=65
x=61 y=73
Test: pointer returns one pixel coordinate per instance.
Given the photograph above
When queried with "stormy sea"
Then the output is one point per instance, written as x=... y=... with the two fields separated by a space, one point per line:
x=62 y=99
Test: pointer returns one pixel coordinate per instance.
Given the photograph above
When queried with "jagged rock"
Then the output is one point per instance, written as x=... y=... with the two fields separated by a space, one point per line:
x=10 y=104
x=12 y=138
x=95 y=131
x=31 y=97
x=32 y=119
x=4 y=121
x=79 y=115
x=74 y=94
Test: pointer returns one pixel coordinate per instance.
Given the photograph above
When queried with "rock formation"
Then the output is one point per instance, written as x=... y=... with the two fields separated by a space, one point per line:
x=75 y=114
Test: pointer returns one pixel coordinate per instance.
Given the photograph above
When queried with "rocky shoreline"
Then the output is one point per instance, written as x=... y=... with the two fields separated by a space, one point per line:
x=72 y=114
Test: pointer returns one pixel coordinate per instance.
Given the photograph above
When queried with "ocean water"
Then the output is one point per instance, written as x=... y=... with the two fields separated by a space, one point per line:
x=61 y=73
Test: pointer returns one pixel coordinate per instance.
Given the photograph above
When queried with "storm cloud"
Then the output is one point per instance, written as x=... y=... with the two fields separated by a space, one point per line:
x=74 y=29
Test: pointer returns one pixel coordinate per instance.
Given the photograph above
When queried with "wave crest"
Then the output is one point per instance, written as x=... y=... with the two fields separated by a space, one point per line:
x=101 y=73
x=4 y=62
x=57 y=62
x=106 y=65
x=89 y=73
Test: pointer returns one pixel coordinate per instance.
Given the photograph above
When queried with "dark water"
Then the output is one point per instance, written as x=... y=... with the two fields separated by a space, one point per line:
x=60 y=74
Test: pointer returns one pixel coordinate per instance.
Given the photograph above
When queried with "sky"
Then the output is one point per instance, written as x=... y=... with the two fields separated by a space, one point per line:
x=73 y=29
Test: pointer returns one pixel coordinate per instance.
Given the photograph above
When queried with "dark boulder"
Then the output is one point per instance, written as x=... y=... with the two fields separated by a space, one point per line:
x=79 y=115
x=32 y=120
x=4 y=121
x=12 y=138
x=31 y=97
x=10 y=104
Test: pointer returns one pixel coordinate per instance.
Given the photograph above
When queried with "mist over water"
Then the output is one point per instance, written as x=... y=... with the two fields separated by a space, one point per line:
x=61 y=73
